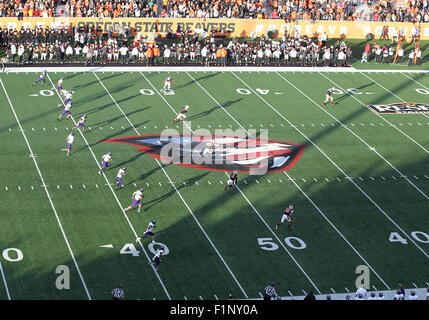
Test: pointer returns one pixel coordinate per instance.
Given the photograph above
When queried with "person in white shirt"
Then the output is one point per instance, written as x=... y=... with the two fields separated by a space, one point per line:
x=372 y=296
x=413 y=296
x=398 y=295
x=157 y=257
x=119 y=176
x=123 y=51
x=106 y=161
x=69 y=141
x=69 y=52
x=361 y=291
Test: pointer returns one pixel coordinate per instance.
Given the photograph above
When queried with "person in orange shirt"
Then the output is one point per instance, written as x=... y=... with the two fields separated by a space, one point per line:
x=156 y=54
x=149 y=56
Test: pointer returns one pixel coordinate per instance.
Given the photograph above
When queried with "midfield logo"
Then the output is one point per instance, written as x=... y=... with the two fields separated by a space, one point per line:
x=397 y=108
x=218 y=152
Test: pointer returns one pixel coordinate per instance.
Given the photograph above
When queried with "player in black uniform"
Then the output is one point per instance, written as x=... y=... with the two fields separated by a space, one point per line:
x=287 y=216
x=329 y=96
x=233 y=179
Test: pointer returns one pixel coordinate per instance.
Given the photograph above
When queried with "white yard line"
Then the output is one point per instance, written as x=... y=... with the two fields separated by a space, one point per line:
x=131 y=68
x=247 y=200
x=352 y=132
x=47 y=192
x=116 y=198
x=315 y=206
x=341 y=170
x=425 y=115
x=5 y=282
x=177 y=191
x=395 y=95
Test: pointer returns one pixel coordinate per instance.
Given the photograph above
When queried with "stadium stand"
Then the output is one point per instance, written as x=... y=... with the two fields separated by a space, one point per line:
x=290 y=10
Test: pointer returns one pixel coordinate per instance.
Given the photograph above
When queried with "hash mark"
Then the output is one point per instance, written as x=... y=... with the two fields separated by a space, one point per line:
x=196 y=182
x=160 y=184
x=383 y=178
x=327 y=179
x=371 y=178
x=290 y=293
x=260 y=294
x=281 y=180
x=6 y=188
x=347 y=289
x=393 y=177
x=315 y=179
x=338 y=179
x=333 y=291
x=19 y=188
x=245 y=181
x=256 y=181
x=83 y=186
x=374 y=288
x=304 y=180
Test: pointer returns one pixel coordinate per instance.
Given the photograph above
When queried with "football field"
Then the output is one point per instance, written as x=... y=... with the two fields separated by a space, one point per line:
x=360 y=188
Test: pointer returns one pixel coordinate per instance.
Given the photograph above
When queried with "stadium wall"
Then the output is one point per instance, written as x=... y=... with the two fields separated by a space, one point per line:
x=227 y=27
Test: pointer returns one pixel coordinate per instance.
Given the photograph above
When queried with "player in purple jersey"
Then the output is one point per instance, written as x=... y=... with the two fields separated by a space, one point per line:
x=41 y=78
x=137 y=200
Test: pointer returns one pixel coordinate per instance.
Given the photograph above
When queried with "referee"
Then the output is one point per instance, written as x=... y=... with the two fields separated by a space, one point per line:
x=118 y=293
x=270 y=292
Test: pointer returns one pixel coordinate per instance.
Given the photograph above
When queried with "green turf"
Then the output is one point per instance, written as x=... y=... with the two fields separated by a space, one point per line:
x=213 y=236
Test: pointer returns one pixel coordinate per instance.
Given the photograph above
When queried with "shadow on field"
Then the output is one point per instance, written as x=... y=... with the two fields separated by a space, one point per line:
x=209 y=111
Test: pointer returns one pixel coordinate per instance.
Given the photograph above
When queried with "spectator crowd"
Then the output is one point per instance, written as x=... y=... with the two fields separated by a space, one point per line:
x=79 y=45
x=289 y=10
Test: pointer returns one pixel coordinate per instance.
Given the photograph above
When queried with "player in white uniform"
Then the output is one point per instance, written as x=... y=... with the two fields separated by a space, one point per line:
x=119 y=176
x=208 y=149
x=60 y=84
x=360 y=292
x=66 y=111
x=137 y=200
x=329 y=96
x=157 y=257
x=80 y=123
x=181 y=115
x=398 y=295
x=167 y=84
x=107 y=160
x=149 y=231
x=413 y=296
x=69 y=141
x=68 y=95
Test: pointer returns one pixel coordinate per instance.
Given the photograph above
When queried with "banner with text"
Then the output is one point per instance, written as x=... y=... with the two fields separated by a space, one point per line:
x=227 y=27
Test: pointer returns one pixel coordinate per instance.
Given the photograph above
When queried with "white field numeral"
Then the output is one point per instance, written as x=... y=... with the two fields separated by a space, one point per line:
x=267 y=244
x=46 y=93
x=422 y=91
x=395 y=237
x=243 y=91
x=147 y=92
x=7 y=255
x=129 y=248
x=293 y=242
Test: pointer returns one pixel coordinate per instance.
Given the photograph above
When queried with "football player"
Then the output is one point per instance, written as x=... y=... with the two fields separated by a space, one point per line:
x=329 y=96
x=66 y=111
x=167 y=84
x=119 y=176
x=41 y=78
x=287 y=216
x=157 y=257
x=208 y=149
x=69 y=141
x=80 y=123
x=181 y=116
x=67 y=96
x=137 y=200
x=232 y=181
x=149 y=231
x=60 y=84
x=106 y=160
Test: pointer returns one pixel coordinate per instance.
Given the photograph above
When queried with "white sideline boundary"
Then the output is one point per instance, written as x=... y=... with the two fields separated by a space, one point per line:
x=135 y=68
x=388 y=295
x=174 y=187
x=54 y=210
x=5 y=282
